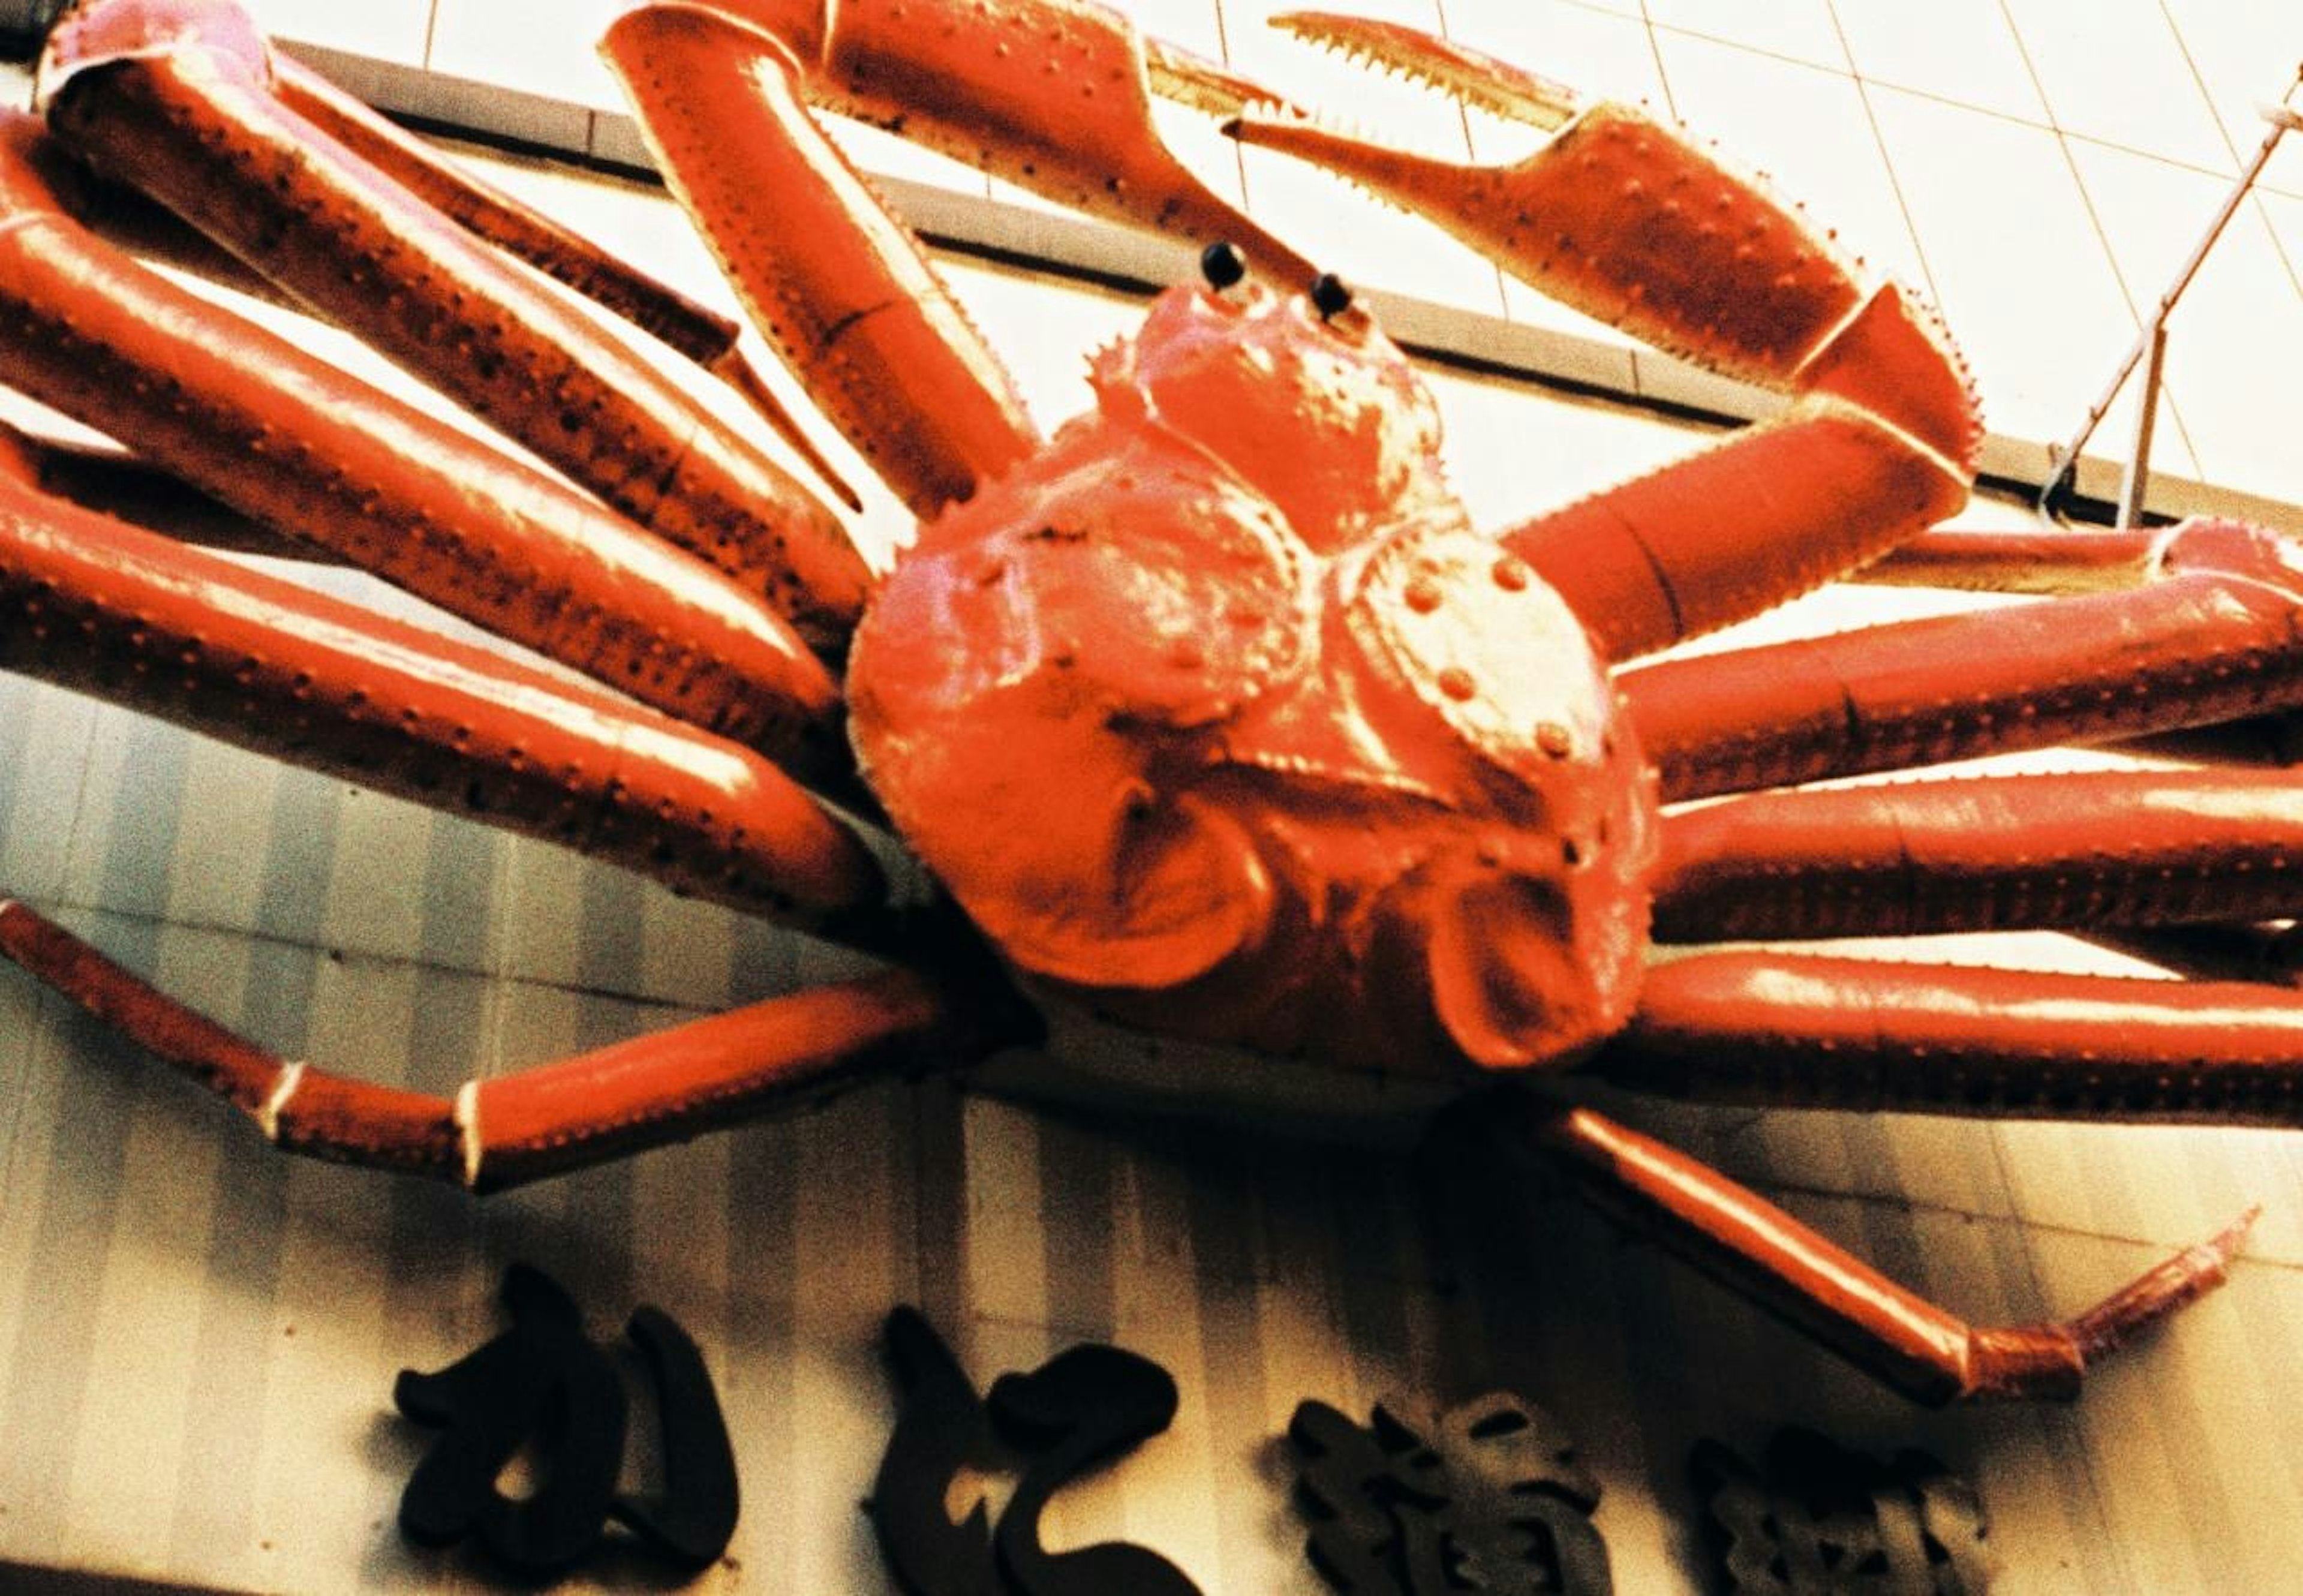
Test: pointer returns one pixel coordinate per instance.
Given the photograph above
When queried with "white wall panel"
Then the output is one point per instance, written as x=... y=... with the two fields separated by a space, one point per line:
x=1796 y=30
x=2152 y=102
x=1964 y=51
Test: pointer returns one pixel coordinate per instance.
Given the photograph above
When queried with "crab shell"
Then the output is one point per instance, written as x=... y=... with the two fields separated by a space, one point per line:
x=1217 y=712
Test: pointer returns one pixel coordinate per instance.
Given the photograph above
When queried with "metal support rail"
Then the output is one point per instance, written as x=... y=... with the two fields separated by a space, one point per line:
x=2150 y=349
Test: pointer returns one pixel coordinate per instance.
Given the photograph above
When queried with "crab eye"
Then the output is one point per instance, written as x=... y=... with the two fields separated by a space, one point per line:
x=1330 y=297
x=1222 y=264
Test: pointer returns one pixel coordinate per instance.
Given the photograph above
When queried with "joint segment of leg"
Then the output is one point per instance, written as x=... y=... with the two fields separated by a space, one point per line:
x=298 y=1109
x=1767 y=1255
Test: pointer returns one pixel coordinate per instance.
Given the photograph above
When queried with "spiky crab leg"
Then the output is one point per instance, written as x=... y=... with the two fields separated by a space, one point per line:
x=1625 y=219
x=711 y=341
x=177 y=102
x=1054 y=96
x=315 y=454
x=844 y=293
x=1755 y=1248
x=695 y=331
x=2212 y=636
x=209 y=643
x=1910 y=859
x=648 y=1092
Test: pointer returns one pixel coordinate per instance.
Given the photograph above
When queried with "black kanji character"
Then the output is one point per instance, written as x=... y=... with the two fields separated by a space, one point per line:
x=1493 y=1500
x=1084 y=1407
x=1373 y=1496
x=543 y=1387
x=1823 y=1521
x=1522 y=1524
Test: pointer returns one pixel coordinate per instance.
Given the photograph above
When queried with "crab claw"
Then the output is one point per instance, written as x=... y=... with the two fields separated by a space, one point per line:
x=1626 y=221
x=1054 y=96
x=1187 y=79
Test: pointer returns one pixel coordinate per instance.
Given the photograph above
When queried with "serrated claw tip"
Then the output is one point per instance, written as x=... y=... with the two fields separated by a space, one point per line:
x=1488 y=82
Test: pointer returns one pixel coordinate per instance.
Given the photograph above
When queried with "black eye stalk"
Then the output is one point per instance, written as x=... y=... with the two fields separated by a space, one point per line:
x=1224 y=267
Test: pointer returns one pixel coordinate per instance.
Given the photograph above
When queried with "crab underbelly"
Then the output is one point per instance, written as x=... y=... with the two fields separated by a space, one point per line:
x=1377 y=806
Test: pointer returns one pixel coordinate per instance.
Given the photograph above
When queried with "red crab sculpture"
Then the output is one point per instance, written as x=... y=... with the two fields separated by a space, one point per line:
x=1213 y=712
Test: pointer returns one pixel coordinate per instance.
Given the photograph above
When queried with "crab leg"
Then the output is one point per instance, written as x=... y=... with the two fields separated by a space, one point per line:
x=1725 y=534
x=649 y=1092
x=1053 y=96
x=129 y=615
x=180 y=106
x=151 y=232
x=842 y=290
x=2106 y=847
x=113 y=483
x=2270 y=953
x=2061 y=561
x=1799 y=1031
x=698 y=332
x=1625 y=219
x=297 y=445
x=1759 y=1250
x=2216 y=634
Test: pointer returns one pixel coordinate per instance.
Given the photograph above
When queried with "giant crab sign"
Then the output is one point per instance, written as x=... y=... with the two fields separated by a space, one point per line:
x=1340 y=774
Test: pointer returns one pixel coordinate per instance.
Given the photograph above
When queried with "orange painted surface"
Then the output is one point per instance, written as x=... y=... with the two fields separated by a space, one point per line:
x=1050 y=95
x=236 y=1070
x=1213 y=712
x=2212 y=637
x=299 y=445
x=1865 y=1035
x=299 y=1110
x=1912 y=858
x=199 y=129
x=692 y=1077
x=210 y=644
x=845 y=294
x=1627 y=221
x=592 y=268
x=1927 y=1354
x=1220 y=714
